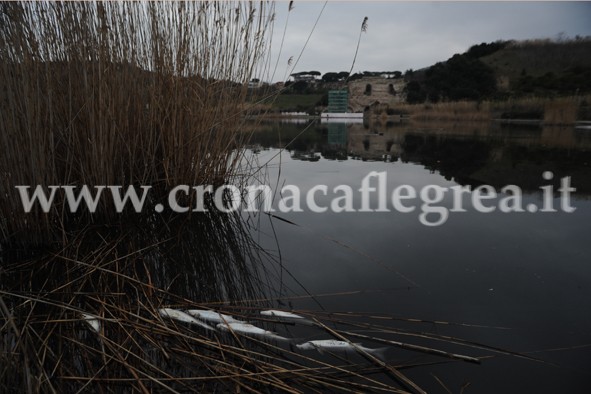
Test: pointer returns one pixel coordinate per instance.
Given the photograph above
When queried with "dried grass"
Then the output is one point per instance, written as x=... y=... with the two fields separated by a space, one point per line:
x=550 y=111
x=121 y=93
x=123 y=276
x=145 y=94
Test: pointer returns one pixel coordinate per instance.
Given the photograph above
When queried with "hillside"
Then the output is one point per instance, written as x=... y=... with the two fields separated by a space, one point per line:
x=505 y=69
x=494 y=71
x=537 y=58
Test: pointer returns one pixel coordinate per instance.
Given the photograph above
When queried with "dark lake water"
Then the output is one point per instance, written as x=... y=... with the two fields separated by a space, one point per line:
x=516 y=281
x=512 y=289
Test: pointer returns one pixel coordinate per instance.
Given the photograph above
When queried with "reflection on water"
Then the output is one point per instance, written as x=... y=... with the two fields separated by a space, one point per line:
x=526 y=272
x=89 y=318
x=478 y=284
x=471 y=154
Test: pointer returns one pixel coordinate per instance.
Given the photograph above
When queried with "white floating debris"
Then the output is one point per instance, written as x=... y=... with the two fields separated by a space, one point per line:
x=249 y=329
x=183 y=317
x=339 y=346
x=282 y=314
x=92 y=321
x=212 y=316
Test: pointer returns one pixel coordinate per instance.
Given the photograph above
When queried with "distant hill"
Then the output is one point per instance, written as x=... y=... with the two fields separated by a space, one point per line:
x=498 y=70
x=543 y=67
x=539 y=57
x=506 y=69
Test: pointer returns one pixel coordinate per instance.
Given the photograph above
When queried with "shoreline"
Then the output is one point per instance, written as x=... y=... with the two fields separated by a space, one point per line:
x=569 y=110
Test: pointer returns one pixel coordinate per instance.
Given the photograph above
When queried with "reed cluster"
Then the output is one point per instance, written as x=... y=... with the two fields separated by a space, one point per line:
x=121 y=93
x=561 y=111
x=120 y=277
x=86 y=318
x=464 y=110
x=550 y=111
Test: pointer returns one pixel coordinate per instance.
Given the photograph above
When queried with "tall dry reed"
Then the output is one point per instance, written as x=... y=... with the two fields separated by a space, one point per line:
x=122 y=277
x=551 y=111
x=120 y=93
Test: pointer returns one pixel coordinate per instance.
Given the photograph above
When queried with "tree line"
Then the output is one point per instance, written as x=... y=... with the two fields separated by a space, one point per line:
x=461 y=77
x=331 y=76
x=467 y=77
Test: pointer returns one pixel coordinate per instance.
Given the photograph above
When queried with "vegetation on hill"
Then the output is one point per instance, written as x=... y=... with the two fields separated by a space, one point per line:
x=298 y=102
x=460 y=78
x=497 y=72
x=539 y=57
x=506 y=69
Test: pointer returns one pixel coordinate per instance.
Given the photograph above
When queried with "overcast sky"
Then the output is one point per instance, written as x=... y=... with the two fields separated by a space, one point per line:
x=404 y=35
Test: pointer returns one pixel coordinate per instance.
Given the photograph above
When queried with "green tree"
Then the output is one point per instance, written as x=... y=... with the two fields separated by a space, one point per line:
x=460 y=77
x=343 y=75
x=299 y=86
x=415 y=93
x=355 y=77
x=330 y=77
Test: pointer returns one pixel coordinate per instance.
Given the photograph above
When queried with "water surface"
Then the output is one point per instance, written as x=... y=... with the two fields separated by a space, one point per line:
x=527 y=272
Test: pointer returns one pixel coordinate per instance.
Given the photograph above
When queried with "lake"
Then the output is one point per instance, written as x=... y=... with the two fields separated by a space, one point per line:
x=517 y=281
x=417 y=240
